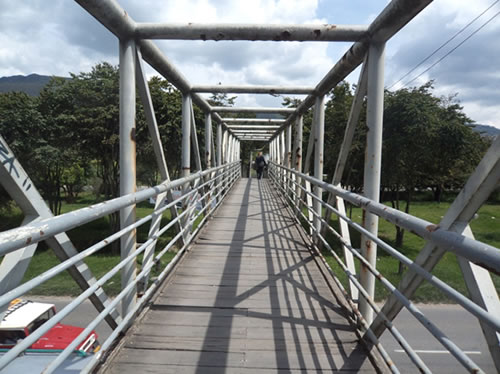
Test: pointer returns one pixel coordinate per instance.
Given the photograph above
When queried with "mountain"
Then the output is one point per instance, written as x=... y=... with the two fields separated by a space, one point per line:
x=31 y=84
x=485 y=130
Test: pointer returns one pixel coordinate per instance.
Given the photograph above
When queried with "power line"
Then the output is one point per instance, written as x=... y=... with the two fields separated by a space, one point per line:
x=452 y=50
x=443 y=45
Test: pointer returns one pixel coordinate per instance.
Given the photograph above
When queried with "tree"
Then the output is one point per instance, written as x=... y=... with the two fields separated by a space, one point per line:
x=427 y=143
x=23 y=128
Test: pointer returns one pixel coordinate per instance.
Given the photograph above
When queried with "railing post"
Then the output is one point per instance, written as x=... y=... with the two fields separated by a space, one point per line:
x=319 y=136
x=219 y=144
x=299 y=125
x=127 y=165
x=208 y=140
x=373 y=160
x=186 y=135
x=288 y=156
x=224 y=146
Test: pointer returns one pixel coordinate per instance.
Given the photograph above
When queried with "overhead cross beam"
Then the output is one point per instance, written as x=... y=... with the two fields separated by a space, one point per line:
x=233 y=109
x=254 y=89
x=263 y=32
x=392 y=19
x=253 y=120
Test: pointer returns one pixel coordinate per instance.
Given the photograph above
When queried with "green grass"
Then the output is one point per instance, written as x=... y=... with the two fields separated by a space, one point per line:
x=485 y=228
x=83 y=237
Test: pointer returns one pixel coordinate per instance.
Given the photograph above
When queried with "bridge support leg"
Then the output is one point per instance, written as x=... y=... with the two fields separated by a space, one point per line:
x=127 y=165
x=19 y=186
x=333 y=200
x=478 y=188
x=373 y=161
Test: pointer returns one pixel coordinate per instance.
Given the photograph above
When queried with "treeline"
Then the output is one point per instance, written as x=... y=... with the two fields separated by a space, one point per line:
x=67 y=137
x=428 y=144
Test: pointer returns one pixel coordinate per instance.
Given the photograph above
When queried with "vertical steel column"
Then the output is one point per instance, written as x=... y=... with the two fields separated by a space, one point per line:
x=282 y=148
x=288 y=147
x=208 y=141
x=288 y=156
x=250 y=165
x=186 y=135
x=282 y=157
x=127 y=165
x=218 y=140
x=271 y=150
x=319 y=137
x=224 y=146
x=299 y=126
x=229 y=147
x=373 y=160
x=219 y=144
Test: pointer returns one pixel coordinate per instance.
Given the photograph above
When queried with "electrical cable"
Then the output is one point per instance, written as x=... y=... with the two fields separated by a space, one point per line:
x=453 y=49
x=444 y=44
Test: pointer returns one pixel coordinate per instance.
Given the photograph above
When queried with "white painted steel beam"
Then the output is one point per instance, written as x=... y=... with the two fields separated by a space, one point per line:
x=372 y=170
x=268 y=121
x=476 y=191
x=127 y=165
x=22 y=190
x=235 y=128
x=252 y=32
x=345 y=148
x=235 y=109
x=249 y=89
x=393 y=18
x=319 y=139
x=154 y=133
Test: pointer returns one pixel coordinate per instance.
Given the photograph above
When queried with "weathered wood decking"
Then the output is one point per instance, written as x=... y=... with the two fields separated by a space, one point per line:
x=249 y=297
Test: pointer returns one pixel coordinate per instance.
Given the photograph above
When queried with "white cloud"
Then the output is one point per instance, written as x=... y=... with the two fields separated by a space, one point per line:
x=58 y=37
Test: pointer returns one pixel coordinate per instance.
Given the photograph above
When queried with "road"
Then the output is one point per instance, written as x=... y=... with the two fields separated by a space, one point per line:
x=457 y=324
x=462 y=328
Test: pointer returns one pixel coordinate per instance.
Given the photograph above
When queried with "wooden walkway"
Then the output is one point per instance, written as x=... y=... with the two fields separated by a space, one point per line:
x=248 y=298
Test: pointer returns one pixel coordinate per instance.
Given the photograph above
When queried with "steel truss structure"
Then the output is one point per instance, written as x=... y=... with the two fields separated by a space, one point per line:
x=204 y=187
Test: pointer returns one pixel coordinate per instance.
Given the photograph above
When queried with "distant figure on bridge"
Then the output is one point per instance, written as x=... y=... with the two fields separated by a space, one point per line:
x=260 y=164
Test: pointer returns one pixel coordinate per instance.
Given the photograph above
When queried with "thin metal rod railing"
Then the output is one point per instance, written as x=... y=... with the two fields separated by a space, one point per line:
x=290 y=194
x=481 y=254
x=225 y=177
x=68 y=350
x=449 y=291
x=35 y=232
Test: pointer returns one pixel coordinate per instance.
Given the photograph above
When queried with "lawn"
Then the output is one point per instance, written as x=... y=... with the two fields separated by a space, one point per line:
x=83 y=237
x=486 y=228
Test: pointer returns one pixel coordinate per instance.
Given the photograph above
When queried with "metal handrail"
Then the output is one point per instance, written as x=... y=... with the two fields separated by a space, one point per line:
x=281 y=177
x=221 y=178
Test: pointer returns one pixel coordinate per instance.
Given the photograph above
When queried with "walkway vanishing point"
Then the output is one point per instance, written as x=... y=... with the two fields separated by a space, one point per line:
x=248 y=297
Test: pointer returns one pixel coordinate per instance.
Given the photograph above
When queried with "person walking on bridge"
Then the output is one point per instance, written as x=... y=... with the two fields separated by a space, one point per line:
x=260 y=163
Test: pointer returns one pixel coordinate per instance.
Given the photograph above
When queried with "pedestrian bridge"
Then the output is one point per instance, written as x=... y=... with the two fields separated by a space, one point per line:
x=249 y=289
x=250 y=296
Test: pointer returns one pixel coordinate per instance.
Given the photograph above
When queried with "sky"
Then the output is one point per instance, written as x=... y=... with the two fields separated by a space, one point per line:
x=57 y=37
